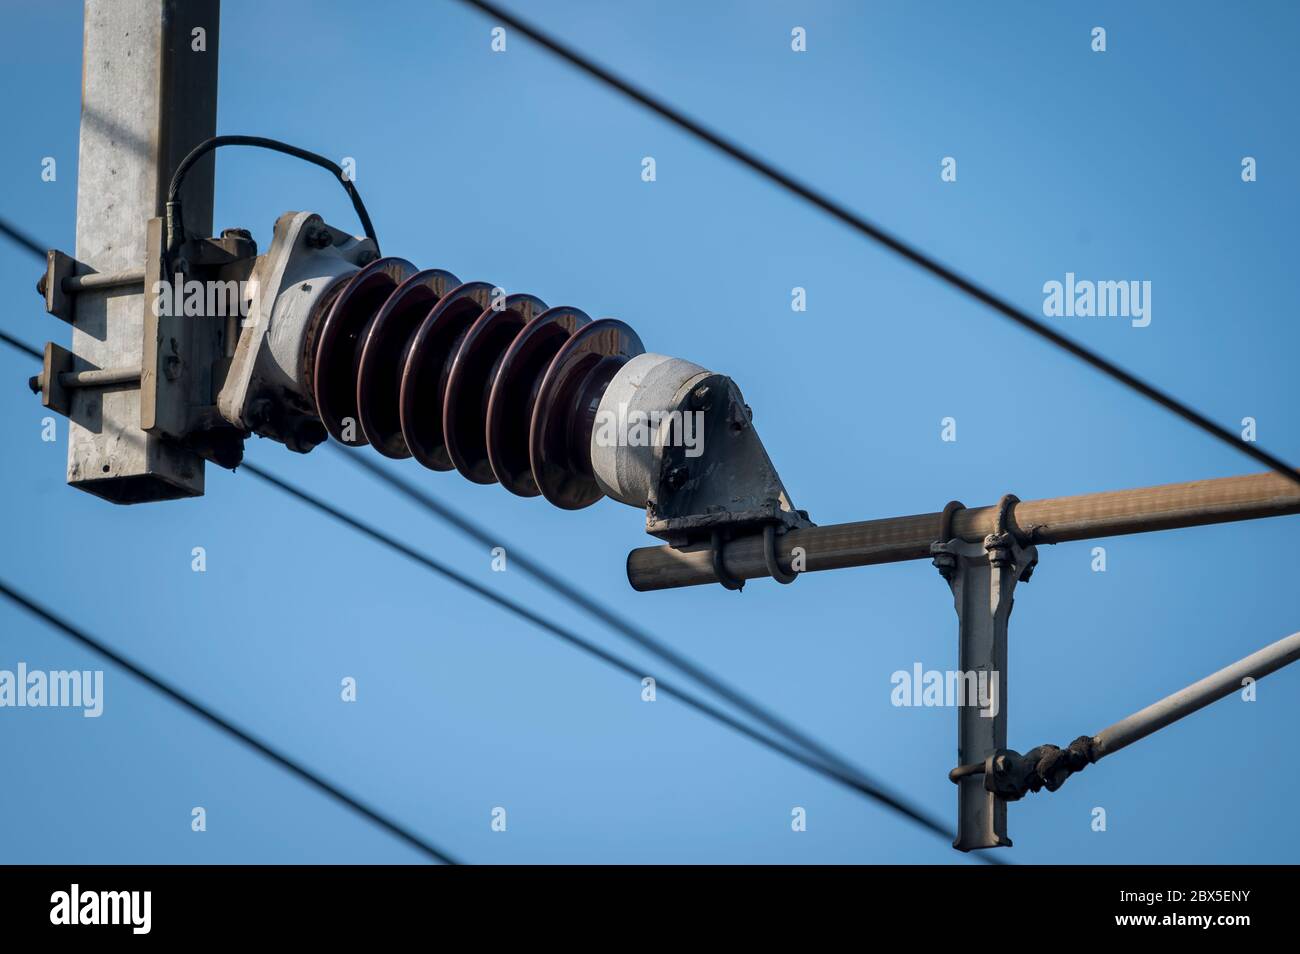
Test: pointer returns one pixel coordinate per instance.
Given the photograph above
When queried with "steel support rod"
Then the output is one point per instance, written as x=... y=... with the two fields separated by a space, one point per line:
x=1054 y=520
x=77 y=283
x=1196 y=696
x=983 y=578
x=1010 y=776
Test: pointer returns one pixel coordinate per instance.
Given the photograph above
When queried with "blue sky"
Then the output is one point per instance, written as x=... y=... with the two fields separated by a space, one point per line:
x=514 y=169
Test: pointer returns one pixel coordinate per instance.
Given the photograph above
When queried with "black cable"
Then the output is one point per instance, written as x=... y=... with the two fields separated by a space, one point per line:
x=834 y=767
x=604 y=614
x=861 y=785
x=22 y=238
x=892 y=242
x=175 y=228
x=22 y=346
x=185 y=701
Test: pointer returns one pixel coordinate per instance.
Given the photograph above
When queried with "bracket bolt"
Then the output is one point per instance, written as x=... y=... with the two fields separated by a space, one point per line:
x=317 y=236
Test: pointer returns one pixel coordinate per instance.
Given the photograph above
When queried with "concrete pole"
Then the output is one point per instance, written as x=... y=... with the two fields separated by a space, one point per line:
x=149 y=95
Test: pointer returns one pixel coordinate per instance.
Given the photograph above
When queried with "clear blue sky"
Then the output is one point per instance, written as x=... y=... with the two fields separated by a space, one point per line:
x=513 y=168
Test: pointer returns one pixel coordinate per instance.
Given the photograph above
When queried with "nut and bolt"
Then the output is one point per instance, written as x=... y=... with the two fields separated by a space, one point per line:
x=317 y=236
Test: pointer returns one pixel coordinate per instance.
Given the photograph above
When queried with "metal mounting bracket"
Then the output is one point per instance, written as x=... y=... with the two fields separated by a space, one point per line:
x=263 y=390
x=731 y=488
x=983 y=578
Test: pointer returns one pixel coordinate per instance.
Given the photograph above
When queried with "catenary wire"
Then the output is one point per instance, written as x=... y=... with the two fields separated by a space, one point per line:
x=843 y=773
x=22 y=346
x=878 y=234
x=870 y=789
x=180 y=698
x=20 y=237
x=599 y=611
x=837 y=769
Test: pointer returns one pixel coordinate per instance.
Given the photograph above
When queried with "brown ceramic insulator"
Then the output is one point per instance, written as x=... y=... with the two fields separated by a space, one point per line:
x=469 y=385
x=315 y=321
x=337 y=345
x=514 y=394
x=428 y=366
x=565 y=411
x=384 y=342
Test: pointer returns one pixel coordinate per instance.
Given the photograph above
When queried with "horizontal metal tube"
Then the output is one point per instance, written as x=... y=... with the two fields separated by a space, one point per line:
x=99 y=378
x=1196 y=696
x=76 y=283
x=1056 y=520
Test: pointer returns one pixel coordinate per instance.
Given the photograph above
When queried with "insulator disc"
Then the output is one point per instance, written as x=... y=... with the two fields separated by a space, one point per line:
x=334 y=377
x=564 y=414
x=427 y=367
x=514 y=394
x=383 y=355
x=469 y=385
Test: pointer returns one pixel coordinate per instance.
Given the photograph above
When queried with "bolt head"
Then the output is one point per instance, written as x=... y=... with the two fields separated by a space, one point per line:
x=317 y=236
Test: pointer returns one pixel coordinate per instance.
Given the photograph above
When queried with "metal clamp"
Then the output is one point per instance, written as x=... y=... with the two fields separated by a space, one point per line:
x=770 y=557
x=999 y=543
x=945 y=562
x=770 y=560
x=1011 y=776
x=719 y=570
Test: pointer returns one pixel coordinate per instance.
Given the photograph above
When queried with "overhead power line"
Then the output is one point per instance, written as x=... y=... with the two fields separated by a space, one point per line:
x=180 y=698
x=855 y=781
x=842 y=773
x=21 y=238
x=22 y=346
x=604 y=614
x=878 y=234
